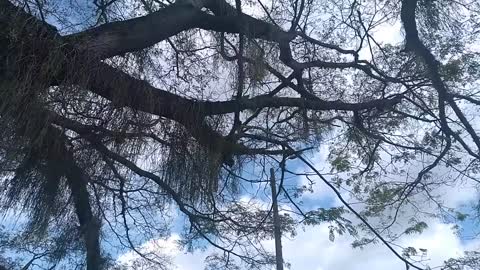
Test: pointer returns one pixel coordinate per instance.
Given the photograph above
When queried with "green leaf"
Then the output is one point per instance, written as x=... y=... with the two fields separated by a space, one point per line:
x=417 y=228
x=341 y=164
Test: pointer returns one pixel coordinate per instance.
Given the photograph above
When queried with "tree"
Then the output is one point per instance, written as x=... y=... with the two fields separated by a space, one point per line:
x=113 y=111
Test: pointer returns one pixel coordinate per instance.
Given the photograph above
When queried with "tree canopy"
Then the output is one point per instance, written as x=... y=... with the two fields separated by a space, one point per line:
x=117 y=116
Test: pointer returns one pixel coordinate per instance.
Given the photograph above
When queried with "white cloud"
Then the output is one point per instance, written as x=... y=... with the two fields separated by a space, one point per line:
x=312 y=249
x=191 y=261
x=162 y=250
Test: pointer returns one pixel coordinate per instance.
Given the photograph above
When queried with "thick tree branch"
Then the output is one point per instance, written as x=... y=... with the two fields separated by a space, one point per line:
x=127 y=91
x=132 y=35
x=414 y=44
x=89 y=225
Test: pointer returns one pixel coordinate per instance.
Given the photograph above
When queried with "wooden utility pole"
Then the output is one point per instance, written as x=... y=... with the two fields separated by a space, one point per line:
x=276 y=223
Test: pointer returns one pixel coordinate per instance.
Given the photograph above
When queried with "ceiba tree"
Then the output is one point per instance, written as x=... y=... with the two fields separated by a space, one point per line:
x=113 y=111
